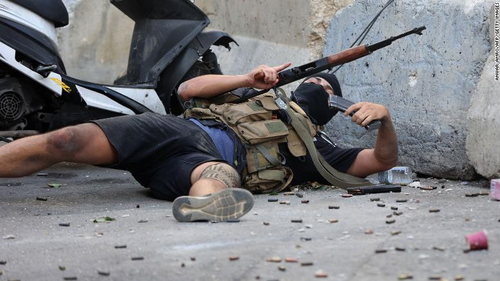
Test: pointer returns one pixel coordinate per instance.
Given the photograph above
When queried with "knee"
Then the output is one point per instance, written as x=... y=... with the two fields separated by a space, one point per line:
x=66 y=141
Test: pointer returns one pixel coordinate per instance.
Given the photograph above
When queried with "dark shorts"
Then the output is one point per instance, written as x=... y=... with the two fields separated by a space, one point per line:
x=160 y=151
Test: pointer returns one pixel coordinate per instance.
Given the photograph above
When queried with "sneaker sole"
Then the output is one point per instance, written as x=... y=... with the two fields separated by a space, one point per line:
x=228 y=204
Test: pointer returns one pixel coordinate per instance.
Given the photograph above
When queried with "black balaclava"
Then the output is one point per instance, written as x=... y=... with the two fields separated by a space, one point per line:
x=313 y=99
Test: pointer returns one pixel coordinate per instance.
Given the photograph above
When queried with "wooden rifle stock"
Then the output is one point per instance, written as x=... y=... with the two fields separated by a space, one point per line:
x=347 y=55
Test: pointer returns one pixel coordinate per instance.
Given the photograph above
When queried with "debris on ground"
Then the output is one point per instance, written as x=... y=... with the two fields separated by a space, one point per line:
x=477 y=241
x=104 y=219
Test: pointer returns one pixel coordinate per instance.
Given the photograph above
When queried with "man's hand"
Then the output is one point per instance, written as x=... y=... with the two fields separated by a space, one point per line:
x=265 y=77
x=366 y=112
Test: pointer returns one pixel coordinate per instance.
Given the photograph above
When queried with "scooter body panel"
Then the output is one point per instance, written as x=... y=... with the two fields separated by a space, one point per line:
x=26 y=17
x=52 y=82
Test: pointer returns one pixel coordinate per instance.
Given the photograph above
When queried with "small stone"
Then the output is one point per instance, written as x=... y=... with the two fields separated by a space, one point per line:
x=274 y=259
x=400 y=249
x=334 y=207
x=459 y=278
x=304 y=201
x=306 y=239
x=42 y=174
x=103 y=273
x=395 y=232
x=484 y=194
x=289 y=193
x=3 y=262
x=390 y=221
x=54 y=185
x=308 y=226
x=9 y=237
x=380 y=251
x=394 y=208
x=464 y=183
x=405 y=277
x=368 y=231
x=333 y=220
x=291 y=260
x=1 y=272
x=389 y=216
x=397 y=213
x=282 y=268
x=193 y=258
x=183 y=265
x=320 y=274
x=374 y=199
x=272 y=200
x=70 y=278
x=435 y=278
x=297 y=221
x=120 y=246
x=467 y=219
x=62 y=268
x=266 y=223
x=285 y=202
x=307 y=264
x=66 y=224
x=143 y=221
x=472 y=195
x=401 y=200
x=233 y=221
x=428 y=188
x=381 y=205
x=42 y=199
x=347 y=195
x=137 y=258
x=434 y=211
x=438 y=248
x=234 y=258
x=300 y=195
x=138 y=206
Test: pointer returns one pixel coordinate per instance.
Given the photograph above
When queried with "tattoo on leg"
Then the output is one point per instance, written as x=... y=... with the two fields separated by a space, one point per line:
x=223 y=173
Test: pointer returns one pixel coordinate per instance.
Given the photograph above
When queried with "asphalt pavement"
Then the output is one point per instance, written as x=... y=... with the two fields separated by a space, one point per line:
x=99 y=224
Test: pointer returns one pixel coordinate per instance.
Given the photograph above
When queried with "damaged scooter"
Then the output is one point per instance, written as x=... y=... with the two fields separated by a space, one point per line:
x=168 y=46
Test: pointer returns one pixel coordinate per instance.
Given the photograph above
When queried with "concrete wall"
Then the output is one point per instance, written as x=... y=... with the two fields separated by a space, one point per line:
x=429 y=82
x=483 y=138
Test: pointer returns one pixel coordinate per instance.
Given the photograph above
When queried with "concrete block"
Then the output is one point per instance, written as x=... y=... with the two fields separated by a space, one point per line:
x=483 y=120
x=426 y=82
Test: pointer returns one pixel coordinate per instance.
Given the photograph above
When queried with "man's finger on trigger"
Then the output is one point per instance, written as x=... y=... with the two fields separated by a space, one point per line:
x=351 y=109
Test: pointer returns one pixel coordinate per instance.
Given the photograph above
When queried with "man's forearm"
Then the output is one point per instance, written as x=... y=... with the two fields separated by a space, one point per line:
x=209 y=86
x=386 y=146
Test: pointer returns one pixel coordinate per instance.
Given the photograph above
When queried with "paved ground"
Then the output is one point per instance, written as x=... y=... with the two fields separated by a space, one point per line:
x=433 y=243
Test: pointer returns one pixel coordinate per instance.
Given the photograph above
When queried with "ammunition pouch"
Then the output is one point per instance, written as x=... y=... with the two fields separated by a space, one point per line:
x=256 y=125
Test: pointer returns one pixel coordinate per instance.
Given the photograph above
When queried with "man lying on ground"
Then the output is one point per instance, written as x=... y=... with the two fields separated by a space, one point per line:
x=201 y=163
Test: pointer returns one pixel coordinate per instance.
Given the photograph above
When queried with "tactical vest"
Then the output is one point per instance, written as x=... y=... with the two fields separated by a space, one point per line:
x=256 y=124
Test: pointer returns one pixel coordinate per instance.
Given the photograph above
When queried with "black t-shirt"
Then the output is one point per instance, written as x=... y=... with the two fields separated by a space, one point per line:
x=303 y=168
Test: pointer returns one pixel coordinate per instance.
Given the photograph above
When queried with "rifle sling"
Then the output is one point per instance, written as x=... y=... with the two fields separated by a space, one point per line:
x=333 y=176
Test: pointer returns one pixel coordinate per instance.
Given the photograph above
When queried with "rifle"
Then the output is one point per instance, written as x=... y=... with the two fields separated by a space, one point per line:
x=296 y=73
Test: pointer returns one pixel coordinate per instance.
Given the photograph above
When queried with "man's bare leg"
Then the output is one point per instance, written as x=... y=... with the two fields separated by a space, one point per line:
x=222 y=199
x=86 y=144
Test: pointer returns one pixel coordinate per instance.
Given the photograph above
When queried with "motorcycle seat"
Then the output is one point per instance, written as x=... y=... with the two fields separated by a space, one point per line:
x=52 y=10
